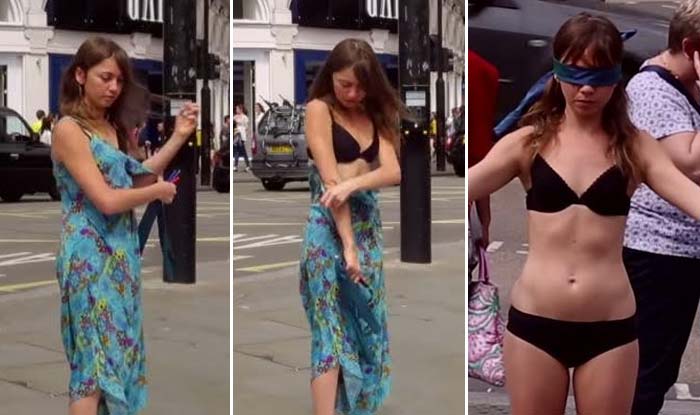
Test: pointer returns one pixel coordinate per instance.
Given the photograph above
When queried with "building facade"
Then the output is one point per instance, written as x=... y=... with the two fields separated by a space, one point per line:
x=279 y=45
x=38 y=39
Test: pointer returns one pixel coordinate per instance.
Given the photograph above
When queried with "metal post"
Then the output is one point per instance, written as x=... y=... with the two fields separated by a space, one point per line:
x=440 y=97
x=206 y=104
x=414 y=81
x=180 y=86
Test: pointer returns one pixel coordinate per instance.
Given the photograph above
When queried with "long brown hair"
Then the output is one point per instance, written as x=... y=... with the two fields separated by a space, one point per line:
x=600 y=37
x=382 y=102
x=129 y=109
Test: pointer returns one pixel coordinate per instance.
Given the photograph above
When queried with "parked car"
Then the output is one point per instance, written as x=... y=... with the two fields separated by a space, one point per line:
x=25 y=162
x=524 y=29
x=221 y=177
x=279 y=155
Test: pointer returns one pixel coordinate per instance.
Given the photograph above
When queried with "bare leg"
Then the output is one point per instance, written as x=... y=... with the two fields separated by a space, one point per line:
x=536 y=382
x=323 y=391
x=605 y=384
x=85 y=406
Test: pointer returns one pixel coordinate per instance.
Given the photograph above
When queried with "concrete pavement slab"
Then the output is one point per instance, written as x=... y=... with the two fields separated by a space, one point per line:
x=186 y=329
x=426 y=327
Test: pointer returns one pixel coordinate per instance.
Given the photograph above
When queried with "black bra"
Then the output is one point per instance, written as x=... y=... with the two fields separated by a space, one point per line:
x=347 y=149
x=549 y=193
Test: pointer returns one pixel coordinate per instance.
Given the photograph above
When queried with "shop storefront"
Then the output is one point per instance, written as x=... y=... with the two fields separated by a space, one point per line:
x=278 y=49
x=37 y=43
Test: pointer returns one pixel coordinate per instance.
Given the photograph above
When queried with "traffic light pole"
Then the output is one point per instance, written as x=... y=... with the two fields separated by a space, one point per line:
x=414 y=81
x=440 y=96
x=180 y=86
x=206 y=104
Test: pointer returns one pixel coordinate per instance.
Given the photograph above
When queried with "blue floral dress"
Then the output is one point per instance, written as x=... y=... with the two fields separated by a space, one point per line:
x=337 y=339
x=98 y=268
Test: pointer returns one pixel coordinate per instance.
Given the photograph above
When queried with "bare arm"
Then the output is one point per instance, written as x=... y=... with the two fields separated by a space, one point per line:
x=483 y=210
x=72 y=148
x=501 y=165
x=185 y=123
x=387 y=174
x=684 y=151
x=660 y=173
x=320 y=141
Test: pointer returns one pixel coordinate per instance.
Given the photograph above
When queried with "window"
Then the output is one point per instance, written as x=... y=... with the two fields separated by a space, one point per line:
x=10 y=11
x=14 y=128
x=258 y=10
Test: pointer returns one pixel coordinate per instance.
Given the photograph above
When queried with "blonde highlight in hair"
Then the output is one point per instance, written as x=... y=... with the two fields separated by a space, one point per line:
x=602 y=40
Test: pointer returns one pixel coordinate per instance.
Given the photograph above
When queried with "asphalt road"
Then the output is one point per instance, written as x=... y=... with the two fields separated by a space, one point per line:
x=29 y=232
x=268 y=226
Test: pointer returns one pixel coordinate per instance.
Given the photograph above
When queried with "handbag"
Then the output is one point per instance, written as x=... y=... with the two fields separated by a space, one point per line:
x=485 y=328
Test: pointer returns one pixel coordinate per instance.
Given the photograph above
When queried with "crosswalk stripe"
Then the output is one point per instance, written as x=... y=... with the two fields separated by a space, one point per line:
x=261 y=268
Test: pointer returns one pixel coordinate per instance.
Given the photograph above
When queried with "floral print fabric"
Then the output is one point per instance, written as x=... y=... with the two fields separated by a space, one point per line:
x=98 y=268
x=337 y=340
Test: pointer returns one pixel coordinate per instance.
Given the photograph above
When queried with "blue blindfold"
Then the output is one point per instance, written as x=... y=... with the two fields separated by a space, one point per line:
x=587 y=76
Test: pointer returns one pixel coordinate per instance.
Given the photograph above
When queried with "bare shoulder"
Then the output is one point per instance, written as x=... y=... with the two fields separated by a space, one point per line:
x=515 y=143
x=316 y=106
x=67 y=137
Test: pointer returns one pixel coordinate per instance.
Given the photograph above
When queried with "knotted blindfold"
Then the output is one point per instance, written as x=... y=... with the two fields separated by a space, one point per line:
x=587 y=76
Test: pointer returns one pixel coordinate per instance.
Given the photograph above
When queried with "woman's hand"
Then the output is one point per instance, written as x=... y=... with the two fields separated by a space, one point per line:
x=352 y=264
x=165 y=191
x=186 y=120
x=337 y=195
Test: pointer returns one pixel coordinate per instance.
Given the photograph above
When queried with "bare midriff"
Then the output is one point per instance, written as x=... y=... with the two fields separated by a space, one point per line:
x=574 y=269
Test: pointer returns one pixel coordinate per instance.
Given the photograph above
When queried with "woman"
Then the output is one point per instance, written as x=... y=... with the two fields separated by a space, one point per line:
x=98 y=263
x=580 y=158
x=351 y=129
x=241 y=126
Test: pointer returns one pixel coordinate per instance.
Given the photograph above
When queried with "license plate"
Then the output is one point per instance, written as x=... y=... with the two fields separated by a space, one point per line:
x=280 y=149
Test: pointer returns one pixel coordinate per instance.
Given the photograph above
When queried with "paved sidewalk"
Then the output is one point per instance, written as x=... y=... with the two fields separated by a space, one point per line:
x=496 y=403
x=426 y=327
x=187 y=345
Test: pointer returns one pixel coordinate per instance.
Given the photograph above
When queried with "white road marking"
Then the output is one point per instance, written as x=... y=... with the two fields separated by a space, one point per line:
x=521 y=252
x=240 y=257
x=241 y=237
x=29 y=259
x=15 y=254
x=282 y=240
x=494 y=246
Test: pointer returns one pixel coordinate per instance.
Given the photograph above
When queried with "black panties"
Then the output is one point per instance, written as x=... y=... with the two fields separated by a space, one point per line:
x=572 y=343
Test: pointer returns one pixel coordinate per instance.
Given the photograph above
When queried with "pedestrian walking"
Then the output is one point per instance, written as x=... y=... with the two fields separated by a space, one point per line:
x=36 y=125
x=579 y=156
x=351 y=120
x=239 y=148
x=241 y=127
x=662 y=243
x=98 y=263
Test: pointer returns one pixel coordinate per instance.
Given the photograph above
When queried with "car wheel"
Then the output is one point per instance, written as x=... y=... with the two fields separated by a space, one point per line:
x=53 y=192
x=11 y=195
x=273 y=184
